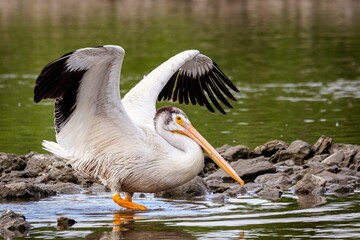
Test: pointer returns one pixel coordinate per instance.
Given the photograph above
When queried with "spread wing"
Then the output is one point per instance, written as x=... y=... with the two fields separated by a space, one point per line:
x=88 y=108
x=199 y=81
x=188 y=77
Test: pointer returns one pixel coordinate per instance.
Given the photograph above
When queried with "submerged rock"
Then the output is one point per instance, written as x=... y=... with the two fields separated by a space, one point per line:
x=195 y=188
x=64 y=223
x=13 y=225
x=270 y=193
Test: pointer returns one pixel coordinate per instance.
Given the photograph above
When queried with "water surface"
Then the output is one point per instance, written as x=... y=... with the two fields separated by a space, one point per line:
x=297 y=63
x=244 y=217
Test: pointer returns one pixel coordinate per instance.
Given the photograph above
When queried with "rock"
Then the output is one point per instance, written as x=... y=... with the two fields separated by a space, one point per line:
x=270 y=148
x=270 y=193
x=234 y=190
x=278 y=180
x=13 y=225
x=322 y=145
x=246 y=169
x=285 y=167
x=24 y=190
x=310 y=184
x=64 y=188
x=340 y=189
x=11 y=162
x=309 y=201
x=194 y=188
x=334 y=159
x=223 y=148
x=219 y=197
x=337 y=178
x=316 y=159
x=298 y=151
x=235 y=153
x=356 y=163
x=218 y=186
x=252 y=187
x=349 y=151
x=64 y=223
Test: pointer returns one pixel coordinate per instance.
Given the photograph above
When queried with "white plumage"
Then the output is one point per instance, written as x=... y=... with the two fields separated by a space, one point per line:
x=127 y=144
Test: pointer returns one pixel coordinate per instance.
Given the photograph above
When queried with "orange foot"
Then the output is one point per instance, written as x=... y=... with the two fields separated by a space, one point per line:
x=127 y=202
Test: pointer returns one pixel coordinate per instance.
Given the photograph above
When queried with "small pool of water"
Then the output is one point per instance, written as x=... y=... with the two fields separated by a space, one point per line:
x=244 y=217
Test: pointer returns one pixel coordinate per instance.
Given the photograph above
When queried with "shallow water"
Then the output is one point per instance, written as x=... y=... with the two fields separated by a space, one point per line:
x=244 y=217
x=296 y=63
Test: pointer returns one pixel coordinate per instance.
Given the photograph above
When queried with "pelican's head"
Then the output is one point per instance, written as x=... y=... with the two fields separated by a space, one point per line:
x=174 y=120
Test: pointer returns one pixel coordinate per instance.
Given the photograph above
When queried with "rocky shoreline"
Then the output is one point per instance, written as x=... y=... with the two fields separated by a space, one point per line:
x=309 y=171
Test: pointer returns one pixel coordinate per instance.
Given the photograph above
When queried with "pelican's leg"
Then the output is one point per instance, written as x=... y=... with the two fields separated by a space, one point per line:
x=127 y=202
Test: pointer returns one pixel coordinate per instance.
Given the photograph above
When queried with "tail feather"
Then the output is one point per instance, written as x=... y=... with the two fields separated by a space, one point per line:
x=56 y=149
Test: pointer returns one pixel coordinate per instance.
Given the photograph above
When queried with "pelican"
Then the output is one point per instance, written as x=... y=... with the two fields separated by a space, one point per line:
x=125 y=143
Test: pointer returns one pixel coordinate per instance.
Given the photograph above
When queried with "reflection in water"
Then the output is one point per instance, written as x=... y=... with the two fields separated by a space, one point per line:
x=125 y=227
x=179 y=219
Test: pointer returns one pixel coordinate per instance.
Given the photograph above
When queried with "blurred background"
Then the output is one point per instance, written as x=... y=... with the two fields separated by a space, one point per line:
x=296 y=62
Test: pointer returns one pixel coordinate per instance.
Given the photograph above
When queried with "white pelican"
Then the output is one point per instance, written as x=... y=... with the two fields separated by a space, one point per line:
x=126 y=144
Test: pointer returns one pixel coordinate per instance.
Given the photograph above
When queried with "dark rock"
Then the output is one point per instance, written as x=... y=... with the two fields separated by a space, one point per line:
x=270 y=148
x=219 y=197
x=322 y=145
x=270 y=193
x=356 y=163
x=64 y=223
x=218 y=186
x=309 y=201
x=234 y=190
x=252 y=187
x=333 y=169
x=316 y=159
x=334 y=159
x=278 y=180
x=23 y=190
x=63 y=188
x=194 y=188
x=13 y=225
x=11 y=162
x=340 y=189
x=246 y=169
x=285 y=167
x=310 y=184
x=349 y=151
x=338 y=178
x=298 y=151
x=223 y=148
x=234 y=153
x=96 y=188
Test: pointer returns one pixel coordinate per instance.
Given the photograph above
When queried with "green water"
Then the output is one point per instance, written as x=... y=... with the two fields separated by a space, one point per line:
x=297 y=64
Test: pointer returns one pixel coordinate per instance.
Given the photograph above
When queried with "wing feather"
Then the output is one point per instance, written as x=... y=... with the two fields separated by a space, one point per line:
x=196 y=77
x=88 y=107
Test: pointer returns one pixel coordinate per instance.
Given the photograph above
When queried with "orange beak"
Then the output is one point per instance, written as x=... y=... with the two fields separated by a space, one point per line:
x=192 y=133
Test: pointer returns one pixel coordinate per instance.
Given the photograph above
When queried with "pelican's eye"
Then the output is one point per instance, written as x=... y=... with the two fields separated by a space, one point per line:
x=179 y=120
